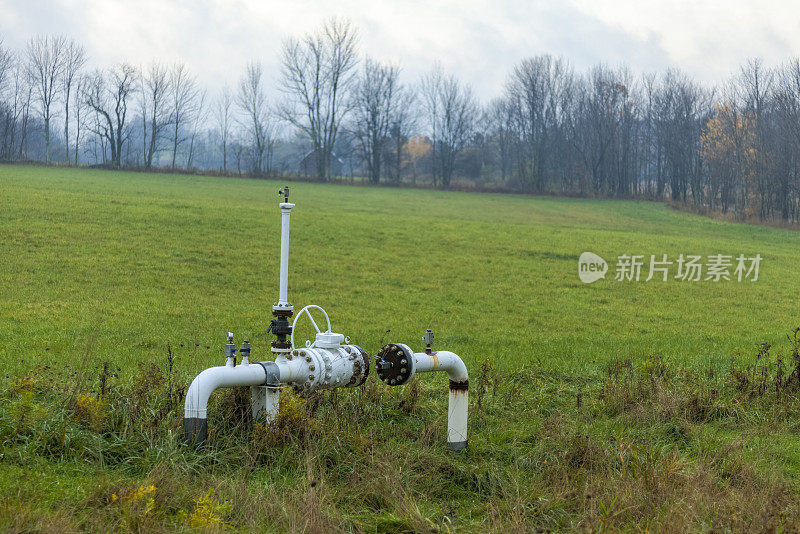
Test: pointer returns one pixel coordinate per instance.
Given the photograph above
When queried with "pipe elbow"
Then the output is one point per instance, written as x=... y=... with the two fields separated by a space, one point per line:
x=200 y=390
x=454 y=365
x=213 y=378
x=443 y=360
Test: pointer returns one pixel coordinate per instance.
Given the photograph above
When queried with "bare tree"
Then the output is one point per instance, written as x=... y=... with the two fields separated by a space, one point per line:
x=756 y=85
x=428 y=88
x=108 y=95
x=184 y=94
x=499 y=117
x=155 y=113
x=6 y=66
x=223 y=116
x=680 y=109
x=74 y=61
x=81 y=82
x=255 y=120
x=198 y=118
x=45 y=65
x=452 y=109
x=535 y=93
x=23 y=96
x=787 y=104
x=374 y=97
x=600 y=126
x=402 y=121
x=7 y=94
x=317 y=72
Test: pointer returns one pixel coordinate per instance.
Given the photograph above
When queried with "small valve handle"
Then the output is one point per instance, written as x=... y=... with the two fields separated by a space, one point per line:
x=428 y=339
x=230 y=350
x=308 y=313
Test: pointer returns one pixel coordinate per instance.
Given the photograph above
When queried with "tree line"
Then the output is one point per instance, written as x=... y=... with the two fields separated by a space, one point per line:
x=605 y=132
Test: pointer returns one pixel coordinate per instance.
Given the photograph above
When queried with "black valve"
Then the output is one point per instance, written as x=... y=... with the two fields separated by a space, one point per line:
x=284 y=192
x=281 y=328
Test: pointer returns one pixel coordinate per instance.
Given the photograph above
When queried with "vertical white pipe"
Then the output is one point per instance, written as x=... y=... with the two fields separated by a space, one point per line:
x=458 y=405
x=457 y=409
x=286 y=210
x=265 y=402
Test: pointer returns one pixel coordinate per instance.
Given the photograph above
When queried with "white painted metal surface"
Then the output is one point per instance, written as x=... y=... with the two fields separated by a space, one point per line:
x=319 y=367
x=311 y=318
x=309 y=368
x=265 y=401
x=457 y=410
x=458 y=401
x=286 y=211
x=214 y=378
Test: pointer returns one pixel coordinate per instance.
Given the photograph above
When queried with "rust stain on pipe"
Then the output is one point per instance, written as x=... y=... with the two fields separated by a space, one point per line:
x=458 y=387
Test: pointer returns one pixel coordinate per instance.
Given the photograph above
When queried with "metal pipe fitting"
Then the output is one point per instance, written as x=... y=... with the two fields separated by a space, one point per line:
x=397 y=364
x=341 y=369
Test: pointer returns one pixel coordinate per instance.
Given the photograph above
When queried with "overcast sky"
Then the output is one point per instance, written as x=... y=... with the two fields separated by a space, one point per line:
x=478 y=41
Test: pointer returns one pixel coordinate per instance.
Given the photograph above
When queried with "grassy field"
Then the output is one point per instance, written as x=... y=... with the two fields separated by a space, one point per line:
x=615 y=405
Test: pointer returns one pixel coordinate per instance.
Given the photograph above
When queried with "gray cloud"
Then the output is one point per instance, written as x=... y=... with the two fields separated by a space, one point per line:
x=478 y=41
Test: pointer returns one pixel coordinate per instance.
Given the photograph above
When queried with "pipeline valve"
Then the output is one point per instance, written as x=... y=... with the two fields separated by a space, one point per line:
x=230 y=351
x=395 y=364
x=428 y=339
x=284 y=192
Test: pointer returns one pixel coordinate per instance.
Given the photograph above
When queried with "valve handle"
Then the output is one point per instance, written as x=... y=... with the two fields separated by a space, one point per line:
x=308 y=313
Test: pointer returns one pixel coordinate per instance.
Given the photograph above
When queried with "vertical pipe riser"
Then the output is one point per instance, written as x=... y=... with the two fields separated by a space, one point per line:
x=457 y=410
x=430 y=361
x=283 y=292
x=195 y=431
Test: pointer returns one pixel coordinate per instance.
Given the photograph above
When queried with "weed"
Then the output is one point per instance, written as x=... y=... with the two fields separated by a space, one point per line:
x=292 y=423
x=410 y=397
x=488 y=378
x=208 y=512
x=91 y=411
x=25 y=384
x=765 y=376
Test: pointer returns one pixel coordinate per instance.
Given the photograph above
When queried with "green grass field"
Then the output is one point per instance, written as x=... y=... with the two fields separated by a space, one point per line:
x=99 y=266
x=119 y=264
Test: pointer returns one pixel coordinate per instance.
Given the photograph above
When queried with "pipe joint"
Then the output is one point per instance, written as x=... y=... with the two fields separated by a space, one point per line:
x=395 y=364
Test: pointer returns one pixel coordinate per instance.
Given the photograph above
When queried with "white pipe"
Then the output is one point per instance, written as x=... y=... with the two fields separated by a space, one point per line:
x=309 y=369
x=286 y=210
x=195 y=424
x=458 y=402
x=254 y=374
x=214 y=378
x=441 y=360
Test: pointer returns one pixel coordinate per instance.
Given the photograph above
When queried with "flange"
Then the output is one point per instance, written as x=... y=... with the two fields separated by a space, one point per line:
x=395 y=364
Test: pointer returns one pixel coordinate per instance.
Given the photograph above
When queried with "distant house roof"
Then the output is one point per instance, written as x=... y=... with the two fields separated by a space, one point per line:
x=308 y=165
